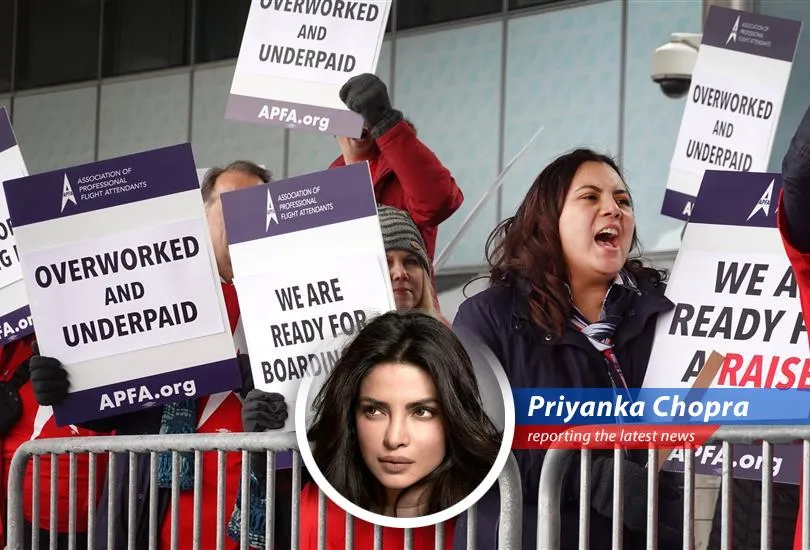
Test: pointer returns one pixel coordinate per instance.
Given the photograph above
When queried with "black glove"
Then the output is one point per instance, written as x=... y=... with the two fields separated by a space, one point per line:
x=635 y=491
x=48 y=379
x=247 y=375
x=263 y=411
x=635 y=498
x=367 y=95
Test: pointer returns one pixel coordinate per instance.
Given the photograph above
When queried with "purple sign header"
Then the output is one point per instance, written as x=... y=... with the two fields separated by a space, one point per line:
x=751 y=33
x=7 y=139
x=295 y=204
x=746 y=199
x=102 y=184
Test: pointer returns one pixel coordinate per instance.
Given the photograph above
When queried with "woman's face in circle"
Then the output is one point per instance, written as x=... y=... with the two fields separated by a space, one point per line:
x=399 y=424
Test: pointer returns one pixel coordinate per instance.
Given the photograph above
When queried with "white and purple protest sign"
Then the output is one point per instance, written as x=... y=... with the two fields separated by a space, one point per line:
x=310 y=270
x=734 y=101
x=734 y=294
x=296 y=55
x=15 y=315
x=122 y=282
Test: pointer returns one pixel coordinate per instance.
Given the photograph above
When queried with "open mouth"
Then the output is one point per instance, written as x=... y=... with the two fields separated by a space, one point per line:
x=607 y=238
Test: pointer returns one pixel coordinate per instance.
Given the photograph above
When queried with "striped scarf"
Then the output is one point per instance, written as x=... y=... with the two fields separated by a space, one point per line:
x=601 y=333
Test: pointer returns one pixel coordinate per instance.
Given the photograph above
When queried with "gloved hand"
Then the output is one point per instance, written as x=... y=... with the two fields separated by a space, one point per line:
x=635 y=491
x=263 y=411
x=48 y=379
x=247 y=375
x=367 y=95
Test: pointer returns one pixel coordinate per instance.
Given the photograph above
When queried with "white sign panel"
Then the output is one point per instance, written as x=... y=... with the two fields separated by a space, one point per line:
x=734 y=294
x=123 y=284
x=15 y=315
x=299 y=319
x=310 y=270
x=123 y=292
x=734 y=101
x=295 y=57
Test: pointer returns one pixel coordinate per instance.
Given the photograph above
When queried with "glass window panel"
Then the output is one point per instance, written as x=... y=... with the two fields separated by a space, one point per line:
x=143 y=35
x=220 y=25
x=57 y=42
x=418 y=13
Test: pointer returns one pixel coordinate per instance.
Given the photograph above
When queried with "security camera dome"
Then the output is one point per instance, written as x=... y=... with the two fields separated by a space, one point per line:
x=673 y=63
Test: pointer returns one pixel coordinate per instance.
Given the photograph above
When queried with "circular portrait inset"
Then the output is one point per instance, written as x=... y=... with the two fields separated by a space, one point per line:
x=398 y=433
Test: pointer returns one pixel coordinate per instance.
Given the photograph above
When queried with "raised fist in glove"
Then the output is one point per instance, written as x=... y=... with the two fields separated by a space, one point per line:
x=48 y=379
x=262 y=411
x=367 y=95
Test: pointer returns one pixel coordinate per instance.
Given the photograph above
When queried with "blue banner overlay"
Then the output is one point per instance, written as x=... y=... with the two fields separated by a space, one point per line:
x=682 y=406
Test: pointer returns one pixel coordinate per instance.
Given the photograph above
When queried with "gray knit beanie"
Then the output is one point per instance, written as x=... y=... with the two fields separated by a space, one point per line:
x=400 y=233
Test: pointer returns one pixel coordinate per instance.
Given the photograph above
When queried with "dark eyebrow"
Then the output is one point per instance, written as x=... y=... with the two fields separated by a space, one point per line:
x=599 y=189
x=370 y=401
x=591 y=187
x=424 y=403
x=416 y=404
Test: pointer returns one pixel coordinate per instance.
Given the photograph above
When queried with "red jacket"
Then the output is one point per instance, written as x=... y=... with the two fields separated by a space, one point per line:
x=221 y=413
x=801 y=271
x=393 y=539
x=407 y=175
x=36 y=423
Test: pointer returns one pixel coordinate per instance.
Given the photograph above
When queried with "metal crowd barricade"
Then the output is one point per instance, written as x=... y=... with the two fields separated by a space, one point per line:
x=271 y=443
x=554 y=464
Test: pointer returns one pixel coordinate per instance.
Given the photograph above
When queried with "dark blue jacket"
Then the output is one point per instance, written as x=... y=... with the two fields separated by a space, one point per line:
x=533 y=358
x=796 y=186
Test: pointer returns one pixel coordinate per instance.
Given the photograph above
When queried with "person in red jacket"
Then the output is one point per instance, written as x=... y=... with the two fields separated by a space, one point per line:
x=37 y=422
x=407 y=175
x=794 y=226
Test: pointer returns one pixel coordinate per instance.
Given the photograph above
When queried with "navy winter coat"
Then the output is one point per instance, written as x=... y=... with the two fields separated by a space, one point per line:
x=533 y=358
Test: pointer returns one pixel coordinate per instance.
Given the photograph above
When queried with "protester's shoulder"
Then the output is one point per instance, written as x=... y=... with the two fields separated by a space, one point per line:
x=493 y=302
x=495 y=296
x=652 y=296
x=653 y=287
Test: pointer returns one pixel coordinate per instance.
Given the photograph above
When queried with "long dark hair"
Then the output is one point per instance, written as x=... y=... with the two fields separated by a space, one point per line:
x=471 y=440
x=527 y=246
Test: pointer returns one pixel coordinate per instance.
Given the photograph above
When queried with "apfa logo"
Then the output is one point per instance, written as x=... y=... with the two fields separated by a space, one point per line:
x=67 y=193
x=764 y=203
x=271 y=212
x=732 y=36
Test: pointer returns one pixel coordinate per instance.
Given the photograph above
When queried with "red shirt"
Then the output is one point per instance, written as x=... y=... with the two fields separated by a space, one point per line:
x=220 y=413
x=37 y=422
x=424 y=538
